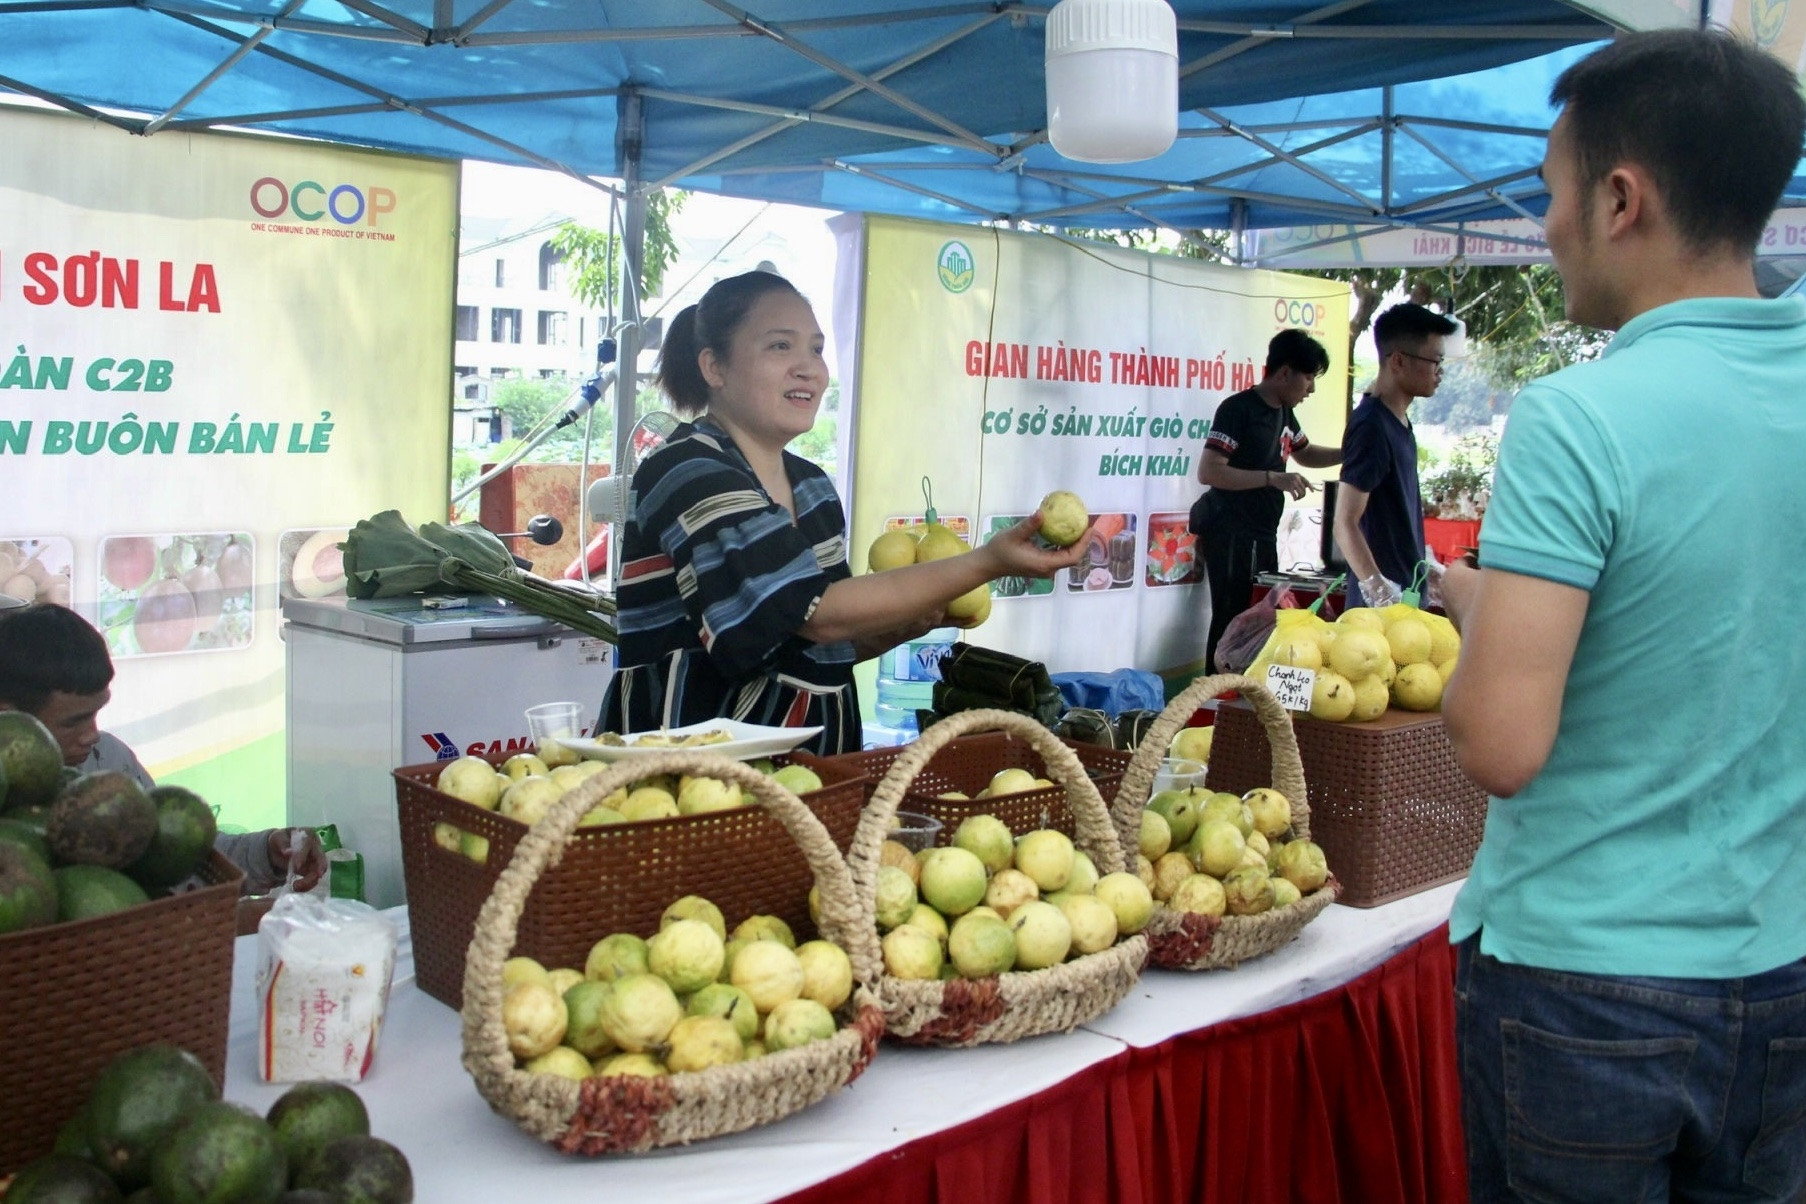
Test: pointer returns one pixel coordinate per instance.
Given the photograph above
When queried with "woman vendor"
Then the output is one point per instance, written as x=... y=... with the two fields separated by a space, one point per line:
x=735 y=599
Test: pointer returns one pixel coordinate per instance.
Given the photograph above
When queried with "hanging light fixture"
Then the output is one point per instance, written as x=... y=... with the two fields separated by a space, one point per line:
x=1112 y=71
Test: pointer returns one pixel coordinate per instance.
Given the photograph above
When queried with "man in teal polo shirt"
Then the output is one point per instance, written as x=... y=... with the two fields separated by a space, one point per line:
x=1631 y=989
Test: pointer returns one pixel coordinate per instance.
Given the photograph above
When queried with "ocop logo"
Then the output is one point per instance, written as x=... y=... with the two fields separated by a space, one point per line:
x=1297 y=313
x=345 y=204
x=955 y=266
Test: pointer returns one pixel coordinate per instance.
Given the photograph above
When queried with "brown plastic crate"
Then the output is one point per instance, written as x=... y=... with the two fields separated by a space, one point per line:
x=77 y=995
x=618 y=878
x=1394 y=813
x=967 y=765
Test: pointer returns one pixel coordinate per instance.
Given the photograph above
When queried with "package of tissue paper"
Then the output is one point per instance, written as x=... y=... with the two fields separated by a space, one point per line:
x=323 y=974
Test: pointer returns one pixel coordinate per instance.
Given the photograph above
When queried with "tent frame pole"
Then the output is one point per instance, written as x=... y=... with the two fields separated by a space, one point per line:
x=633 y=249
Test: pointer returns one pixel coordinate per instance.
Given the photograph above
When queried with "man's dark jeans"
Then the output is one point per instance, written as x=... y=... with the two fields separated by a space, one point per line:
x=1589 y=1088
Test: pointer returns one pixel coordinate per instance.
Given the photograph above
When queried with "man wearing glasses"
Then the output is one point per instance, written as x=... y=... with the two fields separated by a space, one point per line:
x=1379 y=512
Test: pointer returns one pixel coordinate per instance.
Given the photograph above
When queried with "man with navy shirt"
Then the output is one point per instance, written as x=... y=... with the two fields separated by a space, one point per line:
x=1379 y=512
x=1631 y=973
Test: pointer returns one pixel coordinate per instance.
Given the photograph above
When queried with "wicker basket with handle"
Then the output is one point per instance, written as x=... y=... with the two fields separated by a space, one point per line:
x=628 y=1114
x=1182 y=941
x=1017 y=1004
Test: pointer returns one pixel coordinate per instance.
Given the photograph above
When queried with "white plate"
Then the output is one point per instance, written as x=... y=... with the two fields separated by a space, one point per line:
x=749 y=740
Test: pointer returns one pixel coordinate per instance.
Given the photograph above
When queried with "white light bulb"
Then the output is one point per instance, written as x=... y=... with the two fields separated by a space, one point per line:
x=1112 y=71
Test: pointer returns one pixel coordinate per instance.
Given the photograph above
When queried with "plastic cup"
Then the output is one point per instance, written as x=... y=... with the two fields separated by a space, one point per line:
x=1177 y=773
x=551 y=722
x=915 y=831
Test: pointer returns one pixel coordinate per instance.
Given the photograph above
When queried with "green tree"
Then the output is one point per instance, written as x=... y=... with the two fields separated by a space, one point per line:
x=596 y=257
x=820 y=443
x=1515 y=314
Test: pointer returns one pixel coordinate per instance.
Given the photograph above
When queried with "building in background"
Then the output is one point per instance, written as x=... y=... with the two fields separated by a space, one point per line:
x=516 y=318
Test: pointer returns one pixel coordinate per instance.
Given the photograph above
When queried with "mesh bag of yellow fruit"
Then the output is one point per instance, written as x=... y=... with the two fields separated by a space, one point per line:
x=694 y=1093
x=996 y=935
x=1367 y=661
x=1234 y=876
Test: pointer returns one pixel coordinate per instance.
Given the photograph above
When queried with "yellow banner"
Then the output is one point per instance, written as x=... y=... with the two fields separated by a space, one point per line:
x=219 y=352
x=1003 y=365
x=1777 y=26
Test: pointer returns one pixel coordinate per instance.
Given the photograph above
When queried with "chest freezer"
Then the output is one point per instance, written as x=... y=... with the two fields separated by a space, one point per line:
x=385 y=682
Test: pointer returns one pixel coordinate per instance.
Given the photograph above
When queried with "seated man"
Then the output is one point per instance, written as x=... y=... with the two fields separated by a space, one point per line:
x=55 y=667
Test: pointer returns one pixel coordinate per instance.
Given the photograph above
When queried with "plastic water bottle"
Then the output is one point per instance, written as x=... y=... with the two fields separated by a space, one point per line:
x=906 y=677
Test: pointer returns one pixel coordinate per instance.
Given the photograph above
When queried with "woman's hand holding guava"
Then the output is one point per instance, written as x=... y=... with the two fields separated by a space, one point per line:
x=1015 y=552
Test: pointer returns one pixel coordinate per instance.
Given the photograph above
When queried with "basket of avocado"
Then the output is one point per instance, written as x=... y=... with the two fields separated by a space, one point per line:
x=117 y=919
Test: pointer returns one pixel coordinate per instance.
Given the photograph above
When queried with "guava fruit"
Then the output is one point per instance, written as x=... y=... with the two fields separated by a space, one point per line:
x=640 y=1012
x=1301 y=862
x=561 y=1060
x=827 y=973
x=631 y=1065
x=1270 y=811
x=953 y=881
x=768 y=973
x=687 y=954
x=1216 y=847
x=583 y=1030
x=1199 y=895
x=988 y=838
x=534 y=1017
x=700 y=795
x=797 y=779
x=1063 y=518
x=1043 y=935
x=727 y=1002
x=1156 y=836
x=521 y=969
x=699 y=1042
x=797 y=1022
x=1192 y=744
x=1247 y=891
x=765 y=928
x=911 y=952
x=1179 y=811
x=1092 y=921
x=1046 y=856
x=1169 y=871
x=981 y=946
x=896 y=896
x=474 y=780
x=1129 y=898
x=695 y=907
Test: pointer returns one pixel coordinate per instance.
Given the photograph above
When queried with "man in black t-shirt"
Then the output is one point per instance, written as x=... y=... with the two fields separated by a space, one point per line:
x=1251 y=437
x=1379 y=511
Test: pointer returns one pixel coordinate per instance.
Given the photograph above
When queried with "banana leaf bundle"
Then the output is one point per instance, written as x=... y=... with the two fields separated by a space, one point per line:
x=387 y=558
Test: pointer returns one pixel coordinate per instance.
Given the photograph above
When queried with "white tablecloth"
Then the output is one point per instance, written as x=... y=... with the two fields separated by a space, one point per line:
x=421 y=1099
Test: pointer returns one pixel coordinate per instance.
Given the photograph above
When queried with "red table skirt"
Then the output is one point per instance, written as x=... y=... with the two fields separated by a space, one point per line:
x=1350 y=1097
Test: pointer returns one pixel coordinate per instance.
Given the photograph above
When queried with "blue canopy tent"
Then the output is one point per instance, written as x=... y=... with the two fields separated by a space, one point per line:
x=1390 y=111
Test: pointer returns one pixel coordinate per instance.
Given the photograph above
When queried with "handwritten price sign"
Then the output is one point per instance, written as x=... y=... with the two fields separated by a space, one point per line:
x=1291 y=685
